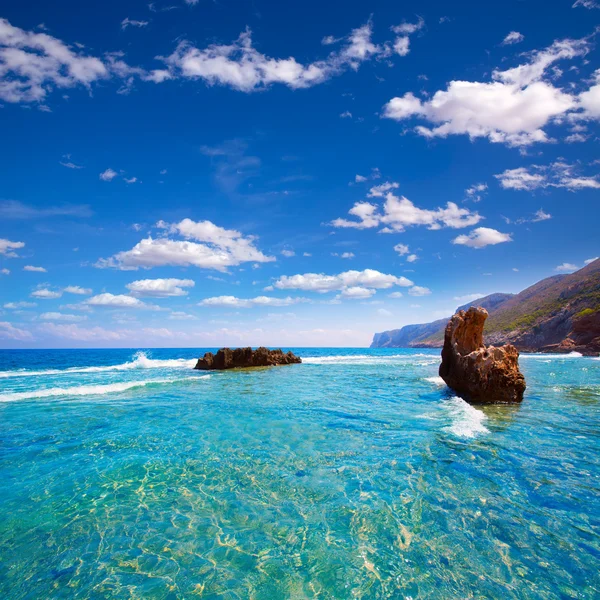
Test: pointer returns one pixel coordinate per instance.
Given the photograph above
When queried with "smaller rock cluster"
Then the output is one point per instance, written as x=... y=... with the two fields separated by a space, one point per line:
x=241 y=358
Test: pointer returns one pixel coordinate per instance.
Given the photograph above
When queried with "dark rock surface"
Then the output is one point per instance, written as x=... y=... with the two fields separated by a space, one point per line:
x=241 y=358
x=480 y=374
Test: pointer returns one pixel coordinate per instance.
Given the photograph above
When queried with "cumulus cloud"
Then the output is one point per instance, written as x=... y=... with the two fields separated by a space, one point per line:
x=514 y=37
x=398 y=213
x=33 y=269
x=418 y=290
x=555 y=175
x=5 y=271
x=160 y=288
x=401 y=44
x=320 y=283
x=241 y=66
x=512 y=109
x=108 y=175
x=56 y=316
x=401 y=249
x=481 y=237
x=78 y=290
x=19 y=305
x=357 y=292
x=288 y=253
x=411 y=258
x=116 y=301
x=233 y=302
x=566 y=268
x=219 y=249
x=33 y=64
x=476 y=192
x=8 y=330
x=590 y=260
x=46 y=294
x=7 y=248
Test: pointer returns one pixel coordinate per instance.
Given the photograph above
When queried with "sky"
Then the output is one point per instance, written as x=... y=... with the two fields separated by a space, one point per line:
x=207 y=173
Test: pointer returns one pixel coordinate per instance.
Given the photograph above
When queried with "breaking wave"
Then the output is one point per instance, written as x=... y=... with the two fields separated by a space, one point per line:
x=140 y=361
x=91 y=390
x=467 y=421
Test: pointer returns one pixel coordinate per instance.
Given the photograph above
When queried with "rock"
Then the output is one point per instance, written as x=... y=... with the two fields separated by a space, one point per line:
x=241 y=358
x=480 y=374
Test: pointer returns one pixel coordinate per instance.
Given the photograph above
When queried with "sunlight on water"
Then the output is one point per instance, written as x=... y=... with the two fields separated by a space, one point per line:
x=357 y=474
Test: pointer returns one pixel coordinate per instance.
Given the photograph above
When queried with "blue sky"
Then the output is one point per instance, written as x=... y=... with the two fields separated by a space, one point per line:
x=208 y=173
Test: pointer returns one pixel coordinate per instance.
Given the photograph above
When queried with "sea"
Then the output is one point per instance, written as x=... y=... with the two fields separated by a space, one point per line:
x=356 y=474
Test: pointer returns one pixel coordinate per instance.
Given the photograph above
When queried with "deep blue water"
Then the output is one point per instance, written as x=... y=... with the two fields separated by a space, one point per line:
x=354 y=475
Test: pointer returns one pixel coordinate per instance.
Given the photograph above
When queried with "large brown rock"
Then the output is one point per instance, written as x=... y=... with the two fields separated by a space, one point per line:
x=480 y=374
x=241 y=358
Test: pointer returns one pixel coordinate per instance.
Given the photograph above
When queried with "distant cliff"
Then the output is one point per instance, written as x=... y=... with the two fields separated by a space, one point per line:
x=557 y=314
x=431 y=335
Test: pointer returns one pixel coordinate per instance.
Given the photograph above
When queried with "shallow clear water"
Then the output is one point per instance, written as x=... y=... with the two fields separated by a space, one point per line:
x=354 y=475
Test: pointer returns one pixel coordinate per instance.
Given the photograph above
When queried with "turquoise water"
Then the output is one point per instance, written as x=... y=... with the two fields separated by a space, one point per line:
x=354 y=475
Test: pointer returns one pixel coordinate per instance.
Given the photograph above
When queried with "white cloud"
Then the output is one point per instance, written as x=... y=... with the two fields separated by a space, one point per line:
x=221 y=248
x=468 y=298
x=476 y=191
x=514 y=37
x=70 y=165
x=566 y=268
x=160 y=288
x=357 y=292
x=7 y=247
x=130 y=180
x=481 y=237
x=412 y=258
x=233 y=302
x=108 y=175
x=46 y=294
x=343 y=254
x=541 y=215
x=288 y=253
x=396 y=295
x=19 y=305
x=7 y=330
x=557 y=174
x=417 y=290
x=590 y=260
x=360 y=178
x=33 y=269
x=5 y=271
x=346 y=115
x=116 y=301
x=178 y=315
x=511 y=109
x=84 y=334
x=240 y=66
x=576 y=138
x=404 y=30
x=78 y=290
x=401 y=249
x=589 y=101
x=320 y=283
x=56 y=316
x=586 y=4
x=397 y=213
x=384 y=313
x=126 y=22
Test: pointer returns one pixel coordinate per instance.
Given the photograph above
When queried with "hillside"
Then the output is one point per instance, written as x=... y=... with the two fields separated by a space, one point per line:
x=558 y=314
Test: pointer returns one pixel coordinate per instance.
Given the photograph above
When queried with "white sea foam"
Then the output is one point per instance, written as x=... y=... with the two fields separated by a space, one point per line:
x=140 y=361
x=437 y=380
x=552 y=356
x=367 y=359
x=467 y=421
x=91 y=390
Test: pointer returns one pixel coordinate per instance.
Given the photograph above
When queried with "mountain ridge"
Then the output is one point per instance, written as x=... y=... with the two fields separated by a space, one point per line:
x=560 y=313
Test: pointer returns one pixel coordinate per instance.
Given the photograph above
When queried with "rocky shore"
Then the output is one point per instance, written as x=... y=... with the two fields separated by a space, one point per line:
x=243 y=358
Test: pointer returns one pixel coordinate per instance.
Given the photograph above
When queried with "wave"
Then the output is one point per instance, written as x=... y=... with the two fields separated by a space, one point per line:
x=467 y=421
x=552 y=356
x=437 y=380
x=92 y=390
x=364 y=358
x=140 y=361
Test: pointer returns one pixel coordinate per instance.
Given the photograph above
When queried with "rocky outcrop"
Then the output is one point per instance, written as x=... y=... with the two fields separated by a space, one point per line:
x=480 y=374
x=242 y=358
